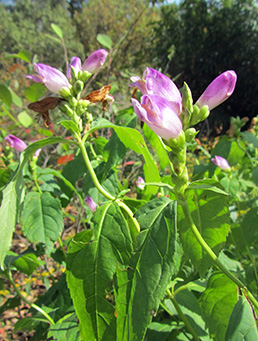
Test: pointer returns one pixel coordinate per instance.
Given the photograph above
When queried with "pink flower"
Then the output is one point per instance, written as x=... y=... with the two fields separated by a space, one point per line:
x=16 y=143
x=155 y=83
x=52 y=78
x=159 y=114
x=95 y=61
x=140 y=183
x=19 y=145
x=219 y=90
x=220 y=162
x=91 y=203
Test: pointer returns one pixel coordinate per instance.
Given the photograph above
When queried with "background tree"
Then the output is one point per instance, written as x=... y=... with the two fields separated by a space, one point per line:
x=207 y=38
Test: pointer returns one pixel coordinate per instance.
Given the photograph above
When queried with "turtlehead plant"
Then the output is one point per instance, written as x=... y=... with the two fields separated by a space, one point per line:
x=138 y=253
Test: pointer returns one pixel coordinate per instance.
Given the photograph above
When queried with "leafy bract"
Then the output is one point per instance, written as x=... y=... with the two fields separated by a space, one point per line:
x=90 y=267
x=140 y=288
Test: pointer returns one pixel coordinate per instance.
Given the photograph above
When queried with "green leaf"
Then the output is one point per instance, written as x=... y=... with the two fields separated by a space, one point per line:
x=132 y=139
x=90 y=271
x=191 y=309
x=35 y=91
x=25 y=119
x=242 y=325
x=209 y=211
x=24 y=55
x=208 y=185
x=10 y=303
x=42 y=218
x=65 y=329
x=158 y=145
x=217 y=303
x=105 y=40
x=160 y=331
x=70 y=125
x=8 y=212
x=250 y=138
x=25 y=263
x=156 y=259
x=16 y=99
x=5 y=95
x=57 y=30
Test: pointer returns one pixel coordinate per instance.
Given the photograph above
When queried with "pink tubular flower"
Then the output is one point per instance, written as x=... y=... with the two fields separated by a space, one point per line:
x=155 y=83
x=159 y=114
x=91 y=203
x=52 y=78
x=19 y=145
x=16 y=143
x=219 y=90
x=76 y=63
x=220 y=162
x=95 y=61
x=140 y=183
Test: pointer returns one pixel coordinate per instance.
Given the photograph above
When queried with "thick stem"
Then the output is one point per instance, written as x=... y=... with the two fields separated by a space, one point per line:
x=33 y=305
x=183 y=317
x=213 y=256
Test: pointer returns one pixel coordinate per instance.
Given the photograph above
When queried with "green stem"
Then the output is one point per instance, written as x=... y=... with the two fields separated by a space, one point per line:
x=182 y=316
x=100 y=188
x=32 y=305
x=213 y=256
x=62 y=247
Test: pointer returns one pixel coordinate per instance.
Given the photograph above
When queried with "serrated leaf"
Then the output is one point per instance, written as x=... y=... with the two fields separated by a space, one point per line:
x=42 y=218
x=90 y=271
x=132 y=139
x=65 y=329
x=5 y=95
x=209 y=211
x=156 y=259
x=104 y=40
x=242 y=325
x=217 y=303
x=57 y=30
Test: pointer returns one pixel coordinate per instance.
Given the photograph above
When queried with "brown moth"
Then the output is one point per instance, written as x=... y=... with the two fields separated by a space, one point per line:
x=42 y=108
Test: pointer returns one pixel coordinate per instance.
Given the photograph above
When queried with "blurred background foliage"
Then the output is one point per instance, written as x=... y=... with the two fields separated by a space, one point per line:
x=191 y=40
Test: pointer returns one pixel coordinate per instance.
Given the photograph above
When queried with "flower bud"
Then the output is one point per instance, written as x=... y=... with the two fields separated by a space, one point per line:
x=187 y=103
x=221 y=162
x=190 y=134
x=95 y=61
x=16 y=143
x=140 y=183
x=91 y=203
x=78 y=87
x=74 y=67
x=219 y=90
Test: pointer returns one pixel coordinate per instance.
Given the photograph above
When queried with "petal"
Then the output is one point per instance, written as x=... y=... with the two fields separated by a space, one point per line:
x=94 y=62
x=219 y=90
x=76 y=63
x=160 y=85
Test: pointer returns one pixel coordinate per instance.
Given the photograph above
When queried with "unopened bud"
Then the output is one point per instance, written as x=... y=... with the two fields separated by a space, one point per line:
x=78 y=87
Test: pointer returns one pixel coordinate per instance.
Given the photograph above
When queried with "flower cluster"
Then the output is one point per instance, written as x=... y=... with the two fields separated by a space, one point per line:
x=161 y=106
x=57 y=82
